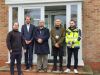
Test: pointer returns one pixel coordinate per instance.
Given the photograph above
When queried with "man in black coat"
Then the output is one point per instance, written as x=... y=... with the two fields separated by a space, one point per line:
x=14 y=44
x=28 y=36
x=57 y=38
x=41 y=46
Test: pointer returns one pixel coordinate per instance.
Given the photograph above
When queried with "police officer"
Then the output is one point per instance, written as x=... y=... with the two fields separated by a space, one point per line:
x=14 y=44
x=73 y=36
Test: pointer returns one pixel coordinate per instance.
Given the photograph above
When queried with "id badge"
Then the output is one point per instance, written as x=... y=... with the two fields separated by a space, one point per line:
x=57 y=37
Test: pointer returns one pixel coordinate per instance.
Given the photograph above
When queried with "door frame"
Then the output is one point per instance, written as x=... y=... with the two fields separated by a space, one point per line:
x=79 y=24
x=42 y=6
x=49 y=13
x=41 y=18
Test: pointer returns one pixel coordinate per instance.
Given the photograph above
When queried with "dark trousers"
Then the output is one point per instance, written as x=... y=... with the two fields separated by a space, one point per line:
x=75 y=52
x=29 y=56
x=17 y=57
x=57 y=52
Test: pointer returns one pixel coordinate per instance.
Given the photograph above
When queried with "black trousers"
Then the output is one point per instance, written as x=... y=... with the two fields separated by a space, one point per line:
x=29 y=56
x=70 y=52
x=17 y=57
x=57 y=52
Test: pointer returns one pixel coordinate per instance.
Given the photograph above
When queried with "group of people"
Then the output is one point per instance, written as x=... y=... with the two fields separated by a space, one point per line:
x=37 y=37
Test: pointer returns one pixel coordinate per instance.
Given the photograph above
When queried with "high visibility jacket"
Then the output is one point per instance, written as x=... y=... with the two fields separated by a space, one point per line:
x=73 y=38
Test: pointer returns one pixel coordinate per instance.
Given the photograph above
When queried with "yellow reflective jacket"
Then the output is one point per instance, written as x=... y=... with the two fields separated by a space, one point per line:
x=72 y=37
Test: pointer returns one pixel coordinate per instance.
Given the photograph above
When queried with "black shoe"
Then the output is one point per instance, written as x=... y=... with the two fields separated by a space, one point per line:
x=12 y=74
x=27 y=69
x=54 y=68
x=38 y=70
x=30 y=68
x=60 y=69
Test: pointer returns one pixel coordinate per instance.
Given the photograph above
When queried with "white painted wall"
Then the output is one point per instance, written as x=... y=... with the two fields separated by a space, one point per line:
x=35 y=1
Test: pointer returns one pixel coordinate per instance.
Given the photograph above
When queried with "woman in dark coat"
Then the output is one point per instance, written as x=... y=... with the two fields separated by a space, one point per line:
x=41 y=46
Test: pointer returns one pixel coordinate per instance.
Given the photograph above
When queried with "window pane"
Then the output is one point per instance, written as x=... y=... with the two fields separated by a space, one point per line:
x=62 y=18
x=74 y=12
x=15 y=14
x=34 y=14
x=46 y=21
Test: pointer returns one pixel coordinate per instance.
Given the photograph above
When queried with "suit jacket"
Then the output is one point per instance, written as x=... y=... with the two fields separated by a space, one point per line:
x=61 y=37
x=28 y=35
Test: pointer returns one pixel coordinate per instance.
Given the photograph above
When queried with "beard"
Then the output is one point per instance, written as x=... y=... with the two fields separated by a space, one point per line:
x=15 y=29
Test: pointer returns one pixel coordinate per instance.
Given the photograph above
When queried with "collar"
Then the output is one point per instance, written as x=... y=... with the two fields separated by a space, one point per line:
x=41 y=28
x=15 y=30
x=28 y=24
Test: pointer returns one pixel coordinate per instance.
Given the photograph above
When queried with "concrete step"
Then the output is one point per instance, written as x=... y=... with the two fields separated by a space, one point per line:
x=86 y=70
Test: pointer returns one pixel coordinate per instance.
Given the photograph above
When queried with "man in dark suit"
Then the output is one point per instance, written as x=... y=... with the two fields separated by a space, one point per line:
x=28 y=36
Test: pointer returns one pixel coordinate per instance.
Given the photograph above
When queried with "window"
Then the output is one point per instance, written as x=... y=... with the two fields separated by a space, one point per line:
x=15 y=14
x=34 y=14
x=74 y=12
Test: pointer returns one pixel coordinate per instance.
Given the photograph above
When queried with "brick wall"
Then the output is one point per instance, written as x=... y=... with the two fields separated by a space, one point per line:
x=91 y=30
x=3 y=29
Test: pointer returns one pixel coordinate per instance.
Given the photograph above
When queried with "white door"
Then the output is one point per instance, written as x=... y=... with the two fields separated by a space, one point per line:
x=68 y=11
x=74 y=11
x=18 y=13
x=50 y=17
x=71 y=11
x=36 y=14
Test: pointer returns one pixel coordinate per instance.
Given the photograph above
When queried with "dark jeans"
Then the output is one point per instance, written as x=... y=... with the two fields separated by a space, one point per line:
x=29 y=56
x=17 y=57
x=75 y=52
x=57 y=52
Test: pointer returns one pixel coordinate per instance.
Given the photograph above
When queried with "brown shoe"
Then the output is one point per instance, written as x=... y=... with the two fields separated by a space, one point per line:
x=38 y=70
x=54 y=68
x=61 y=69
x=45 y=69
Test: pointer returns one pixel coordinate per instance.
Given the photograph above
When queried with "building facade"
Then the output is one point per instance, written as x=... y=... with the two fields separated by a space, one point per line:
x=85 y=12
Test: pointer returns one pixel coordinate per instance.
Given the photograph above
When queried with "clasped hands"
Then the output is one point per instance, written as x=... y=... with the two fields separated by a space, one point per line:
x=57 y=45
x=39 y=40
x=28 y=42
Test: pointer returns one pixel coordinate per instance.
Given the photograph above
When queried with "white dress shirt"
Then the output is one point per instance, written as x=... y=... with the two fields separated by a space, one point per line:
x=28 y=27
